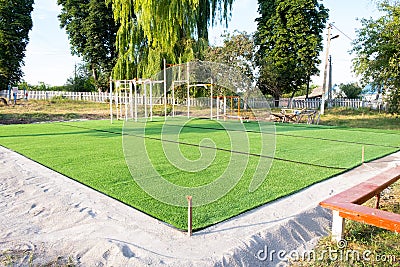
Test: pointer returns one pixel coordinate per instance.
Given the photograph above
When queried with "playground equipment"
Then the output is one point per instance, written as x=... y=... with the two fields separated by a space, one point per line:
x=229 y=111
x=194 y=89
x=131 y=95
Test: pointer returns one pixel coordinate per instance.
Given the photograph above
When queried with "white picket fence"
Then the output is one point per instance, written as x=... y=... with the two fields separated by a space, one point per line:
x=354 y=103
x=254 y=103
x=296 y=103
x=338 y=102
x=47 y=95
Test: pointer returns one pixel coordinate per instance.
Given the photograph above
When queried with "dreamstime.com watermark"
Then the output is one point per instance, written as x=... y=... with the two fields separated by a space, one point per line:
x=341 y=254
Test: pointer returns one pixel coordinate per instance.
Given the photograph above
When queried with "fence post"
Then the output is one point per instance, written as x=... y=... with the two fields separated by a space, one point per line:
x=189 y=199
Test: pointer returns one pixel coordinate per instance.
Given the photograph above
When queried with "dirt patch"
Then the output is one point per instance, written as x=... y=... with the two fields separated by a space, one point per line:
x=34 y=111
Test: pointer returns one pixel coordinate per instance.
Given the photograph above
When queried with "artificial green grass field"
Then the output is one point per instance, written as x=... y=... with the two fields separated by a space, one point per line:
x=91 y=152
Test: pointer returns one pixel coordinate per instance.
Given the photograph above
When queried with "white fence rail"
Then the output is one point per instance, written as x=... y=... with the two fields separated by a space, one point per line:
x=256 y=103
x=47 y=95
x=338 y=102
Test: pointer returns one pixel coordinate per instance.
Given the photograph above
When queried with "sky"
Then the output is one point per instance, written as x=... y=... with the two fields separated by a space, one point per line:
x=49 y=60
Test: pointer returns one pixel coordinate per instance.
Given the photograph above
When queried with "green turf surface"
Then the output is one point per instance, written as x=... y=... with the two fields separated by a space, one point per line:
x=91 y=152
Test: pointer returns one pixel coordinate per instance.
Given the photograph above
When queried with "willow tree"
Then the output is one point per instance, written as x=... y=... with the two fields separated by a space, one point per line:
x=151 y=30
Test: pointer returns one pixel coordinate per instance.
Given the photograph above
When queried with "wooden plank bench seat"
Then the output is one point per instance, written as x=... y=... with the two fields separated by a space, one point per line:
x=347 y=204
x=286 y=115
x=310 y=116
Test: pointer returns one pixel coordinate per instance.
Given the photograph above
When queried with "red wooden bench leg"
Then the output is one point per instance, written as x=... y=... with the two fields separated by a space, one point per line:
x=378 y=198
x=337 y=226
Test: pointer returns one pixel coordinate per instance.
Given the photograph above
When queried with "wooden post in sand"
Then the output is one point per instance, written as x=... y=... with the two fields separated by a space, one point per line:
x=362 y=155
x=189 y=199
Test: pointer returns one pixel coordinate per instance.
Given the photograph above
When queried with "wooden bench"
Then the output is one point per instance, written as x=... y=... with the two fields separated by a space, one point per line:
x=311 y=116
x=347 y=205
x=296 y=115
x=287 y=115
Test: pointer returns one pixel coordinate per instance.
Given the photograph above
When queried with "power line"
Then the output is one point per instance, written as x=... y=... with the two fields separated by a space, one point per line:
x=342 y=32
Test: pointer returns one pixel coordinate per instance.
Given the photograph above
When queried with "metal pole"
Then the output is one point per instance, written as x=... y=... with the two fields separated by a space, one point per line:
x=308 y=86
x=165 y=89
x=116 y=103
x=145 y=99
x=131 y=99
x=111 y=100
x=173 y=99
x=217 y=107
x=151 y=101
x=328 y=43
x=224 y=107
x=188 y=87
x=126 y=103
x=211 y=99
x=136 y=109
x=231 y=97
x=239 y=106
x=120 y=97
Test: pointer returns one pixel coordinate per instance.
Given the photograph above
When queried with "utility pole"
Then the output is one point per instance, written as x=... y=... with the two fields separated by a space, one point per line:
x=328 y=44
x=330 y=81
x=75 y=87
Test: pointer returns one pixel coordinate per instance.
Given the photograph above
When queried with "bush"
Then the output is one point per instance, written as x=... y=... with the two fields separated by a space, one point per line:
x=394 y=101
x=60 y=99
x=158 y=110
x=352 y=90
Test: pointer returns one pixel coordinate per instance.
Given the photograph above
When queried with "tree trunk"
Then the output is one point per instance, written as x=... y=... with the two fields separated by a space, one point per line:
x=276 y=101
x=308 y=86
x=95 y=77
x=291 y=99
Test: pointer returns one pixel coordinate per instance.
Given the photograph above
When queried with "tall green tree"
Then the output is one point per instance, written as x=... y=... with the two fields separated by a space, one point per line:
x=151 y=30
x=15 y=24
x=289 y=36
x=351 y=90
x=82 y=81
x=92 y=33
x=377 y=52
x=238 y=50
